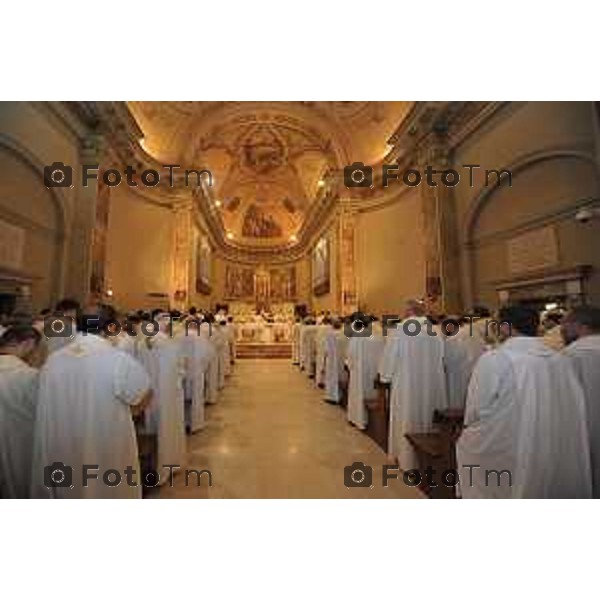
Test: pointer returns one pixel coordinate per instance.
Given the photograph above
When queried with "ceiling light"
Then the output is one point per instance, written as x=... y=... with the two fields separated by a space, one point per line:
x=217 y=203
x=321 y=183
x=229 y=235
x=293 y=238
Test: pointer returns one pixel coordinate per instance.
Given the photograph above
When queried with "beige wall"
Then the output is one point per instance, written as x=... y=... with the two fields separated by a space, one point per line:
x=31 y=137
x=550 y=148
x=390 y=255
x=25 y=203
x=139 y=250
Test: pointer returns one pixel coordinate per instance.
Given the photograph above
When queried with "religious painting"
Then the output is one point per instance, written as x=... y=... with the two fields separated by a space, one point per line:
x=259 y=224
x=321 y=268
x=239 y=283
x=283 y=284
x=263 y=150
x=203 y=265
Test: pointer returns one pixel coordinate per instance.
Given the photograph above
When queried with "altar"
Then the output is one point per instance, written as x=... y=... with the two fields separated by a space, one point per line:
x=261 y=302
x=264 y=333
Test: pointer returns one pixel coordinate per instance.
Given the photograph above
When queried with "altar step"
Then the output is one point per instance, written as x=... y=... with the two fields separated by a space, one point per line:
x=263 y=350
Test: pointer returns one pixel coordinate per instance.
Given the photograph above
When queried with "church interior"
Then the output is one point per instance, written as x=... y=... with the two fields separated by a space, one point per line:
x=276 y=223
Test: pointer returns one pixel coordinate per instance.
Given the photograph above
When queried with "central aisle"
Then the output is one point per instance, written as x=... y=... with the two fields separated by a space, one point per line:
x=271 y=436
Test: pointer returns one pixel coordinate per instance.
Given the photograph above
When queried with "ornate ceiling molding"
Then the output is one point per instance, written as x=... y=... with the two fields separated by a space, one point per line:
x=260 y=142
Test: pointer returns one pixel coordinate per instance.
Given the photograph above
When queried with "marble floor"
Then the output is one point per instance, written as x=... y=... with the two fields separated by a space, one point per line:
x=271 y=436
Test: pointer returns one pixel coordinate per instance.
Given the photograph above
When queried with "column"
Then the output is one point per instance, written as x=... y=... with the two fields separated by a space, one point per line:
x=183 y=251
x=442 y=275
x=348 y=301
x=81 y=234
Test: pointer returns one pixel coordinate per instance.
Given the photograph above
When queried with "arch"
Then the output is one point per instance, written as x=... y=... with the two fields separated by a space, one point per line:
x=36 y=167
x=485 y=195
x=521 y=164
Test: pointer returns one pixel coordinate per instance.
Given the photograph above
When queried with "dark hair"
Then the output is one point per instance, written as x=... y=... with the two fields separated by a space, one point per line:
x=67 y=304
x=480 y=311
x=98 y=322
x=523 y=319
x=554 y=317
x=193 y=310
x=586 y=315
x=16 y=334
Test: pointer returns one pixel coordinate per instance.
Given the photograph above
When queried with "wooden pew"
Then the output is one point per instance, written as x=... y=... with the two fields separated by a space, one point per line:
x=147 y=450
x=436 y=450
x=378 y=410
x=343 y=387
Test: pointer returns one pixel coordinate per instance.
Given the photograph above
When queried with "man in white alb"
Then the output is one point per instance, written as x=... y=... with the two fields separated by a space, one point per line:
x=18 y=400
x=362 y=357
x=581 y=332
x=165 y=412
x=85 y=439
x=461 y=353
x=413 y=362
x=525 y=430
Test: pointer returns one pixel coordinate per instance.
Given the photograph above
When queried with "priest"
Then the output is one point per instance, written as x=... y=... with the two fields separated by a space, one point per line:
x=362 y=357
x=336 y=346
x=18 y=400
x=320 y=351
x=461 y=353
x=525 y=430
x=581 y=332
x=413 y=362
x=84 y=443
x=165 y=413
x=200 y=356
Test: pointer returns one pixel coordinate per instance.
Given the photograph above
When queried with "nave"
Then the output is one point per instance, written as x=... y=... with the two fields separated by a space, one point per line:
x=270 y=435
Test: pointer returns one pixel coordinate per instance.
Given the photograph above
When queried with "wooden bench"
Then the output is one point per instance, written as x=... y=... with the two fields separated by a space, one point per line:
x=378 y=410
x=436 y=450
x=147 y=451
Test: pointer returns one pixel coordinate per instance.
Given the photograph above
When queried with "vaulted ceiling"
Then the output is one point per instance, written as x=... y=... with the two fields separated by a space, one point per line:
x=268 y=159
